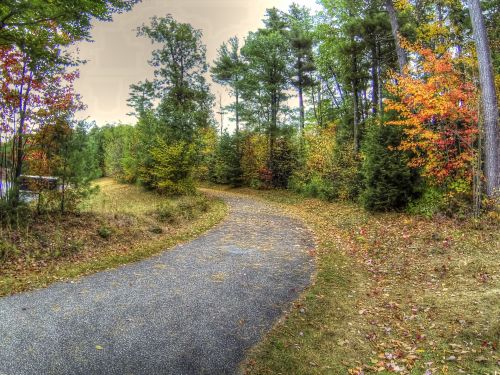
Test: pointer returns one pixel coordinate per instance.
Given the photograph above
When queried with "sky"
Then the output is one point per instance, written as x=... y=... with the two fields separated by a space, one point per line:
x=117 y=58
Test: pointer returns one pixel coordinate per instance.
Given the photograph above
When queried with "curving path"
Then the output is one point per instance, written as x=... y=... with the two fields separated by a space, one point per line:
x=192 y=310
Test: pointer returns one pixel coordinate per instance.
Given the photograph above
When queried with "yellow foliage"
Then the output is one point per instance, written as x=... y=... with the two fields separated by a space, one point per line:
x=255 y=154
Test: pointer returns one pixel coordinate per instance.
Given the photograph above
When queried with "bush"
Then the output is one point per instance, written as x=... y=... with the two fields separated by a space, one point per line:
x=389 y=183
x=330 y=170
x=105 y=232
x=7 y=250
x=429 y=204
x=14 y=215
x=185 y=208
x=172 y=171
x=226 y=167
x=284 y=161
x=167 y=212
x=190 y=207
x=315 y=187
x=345 y=175
x=254 y=158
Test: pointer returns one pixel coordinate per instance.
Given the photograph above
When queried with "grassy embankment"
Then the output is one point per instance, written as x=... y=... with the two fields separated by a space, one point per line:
x=118 y=225
x=393 y=294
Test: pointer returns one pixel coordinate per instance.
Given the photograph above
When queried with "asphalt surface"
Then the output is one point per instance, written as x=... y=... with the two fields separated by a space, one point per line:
x=194 y=309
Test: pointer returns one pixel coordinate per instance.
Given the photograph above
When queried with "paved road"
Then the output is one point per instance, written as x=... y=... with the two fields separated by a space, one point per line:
x=192 y=310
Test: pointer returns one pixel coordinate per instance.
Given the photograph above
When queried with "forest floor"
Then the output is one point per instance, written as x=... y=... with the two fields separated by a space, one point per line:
x=120 y=224
x=393 y=294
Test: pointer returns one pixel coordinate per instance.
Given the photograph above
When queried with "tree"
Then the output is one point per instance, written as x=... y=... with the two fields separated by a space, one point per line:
x=395 y=33
x=266 y=53
x=141 y=97
x=438 y=114
x=228 y=70
x=32 y=96
x=301 y=43
x=388 y=181
x=343 y=47
x=489 y=101
x=63 y=150
x=22 y=20
x=180 y=65
x=226 y=166
x=184 y=107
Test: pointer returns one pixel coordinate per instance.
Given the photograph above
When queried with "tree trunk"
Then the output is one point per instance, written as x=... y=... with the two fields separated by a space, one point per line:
x=301 y=95
x=272 y=130
x=489 y=101
x=355 y=116
x=375 y=83
x=313 y=102
x=395 y=33
x=19 y=157
x=301 y=109
x=237 y=111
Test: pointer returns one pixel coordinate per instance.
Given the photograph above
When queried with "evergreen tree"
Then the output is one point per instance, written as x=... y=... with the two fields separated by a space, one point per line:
x=388 y=181
x=267 y=75
x=300 y=25
x=229 y=69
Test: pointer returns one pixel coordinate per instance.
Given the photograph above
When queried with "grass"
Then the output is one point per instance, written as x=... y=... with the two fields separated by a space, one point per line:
x=393 y=294
x=119 y=225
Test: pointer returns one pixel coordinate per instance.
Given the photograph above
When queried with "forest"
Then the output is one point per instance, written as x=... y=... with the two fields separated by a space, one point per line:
x=371 y=111
x=393 y=106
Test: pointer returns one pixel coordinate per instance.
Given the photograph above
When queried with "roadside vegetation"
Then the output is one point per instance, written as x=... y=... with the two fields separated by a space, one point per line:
x=119 y=224
x=394 y=293
x=375 y=121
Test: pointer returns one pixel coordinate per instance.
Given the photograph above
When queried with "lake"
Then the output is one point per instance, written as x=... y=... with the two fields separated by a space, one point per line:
x=4 y=186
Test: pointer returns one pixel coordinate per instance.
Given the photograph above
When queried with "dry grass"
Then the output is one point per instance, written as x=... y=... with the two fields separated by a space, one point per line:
x=121 y=224
x=122 y=199
x=393 y=294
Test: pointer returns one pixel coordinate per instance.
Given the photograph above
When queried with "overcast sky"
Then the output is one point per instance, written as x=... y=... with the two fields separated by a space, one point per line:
x=117 y=58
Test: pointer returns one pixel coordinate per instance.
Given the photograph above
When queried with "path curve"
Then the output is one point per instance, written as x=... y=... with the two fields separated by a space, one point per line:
x=194 y=309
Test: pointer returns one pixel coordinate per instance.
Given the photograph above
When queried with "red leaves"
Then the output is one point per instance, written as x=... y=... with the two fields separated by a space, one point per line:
x=39 y=98
x=438 y=111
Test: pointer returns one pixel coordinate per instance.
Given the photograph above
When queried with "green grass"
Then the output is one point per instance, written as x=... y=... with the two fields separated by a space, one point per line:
x=121 y=224
x=392 y=293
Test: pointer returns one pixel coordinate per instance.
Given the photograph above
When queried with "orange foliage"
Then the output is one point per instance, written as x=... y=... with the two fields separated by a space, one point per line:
x=438 y=110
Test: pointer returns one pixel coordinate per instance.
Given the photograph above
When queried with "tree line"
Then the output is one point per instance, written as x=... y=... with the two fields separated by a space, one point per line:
x=392 y=104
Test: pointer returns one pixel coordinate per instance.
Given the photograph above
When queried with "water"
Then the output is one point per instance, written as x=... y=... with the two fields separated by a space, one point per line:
x=25 y=196
x=4 y=187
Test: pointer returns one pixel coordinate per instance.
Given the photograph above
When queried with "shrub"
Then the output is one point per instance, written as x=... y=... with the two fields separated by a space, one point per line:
x=429 y=204
x=172 y=171
x=284 y=161
x=388 y=181
x=190 y=207
x=318 y=187
x=104 y=232
x=156 y=230
x=330 y=171
x=226 y=167
x=167 y=212
x=185 y=208
x=7 y=250
x=254 y=158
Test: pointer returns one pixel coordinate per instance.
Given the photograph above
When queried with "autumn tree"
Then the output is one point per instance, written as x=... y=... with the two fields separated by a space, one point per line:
x=33 y=95
x=438 y=114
